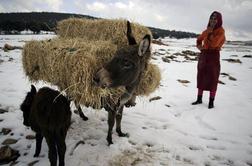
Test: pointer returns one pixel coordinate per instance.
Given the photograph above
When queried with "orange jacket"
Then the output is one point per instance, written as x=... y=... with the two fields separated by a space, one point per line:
x=213 y=40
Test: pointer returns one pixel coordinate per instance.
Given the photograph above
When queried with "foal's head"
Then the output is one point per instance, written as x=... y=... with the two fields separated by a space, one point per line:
x=26 y=105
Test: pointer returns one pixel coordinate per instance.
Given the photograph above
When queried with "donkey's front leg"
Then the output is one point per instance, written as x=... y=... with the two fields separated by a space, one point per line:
x=118 y=123
x=111 y=122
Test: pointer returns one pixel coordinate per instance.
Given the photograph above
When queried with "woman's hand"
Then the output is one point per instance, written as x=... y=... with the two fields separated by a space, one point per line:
x=210 y=32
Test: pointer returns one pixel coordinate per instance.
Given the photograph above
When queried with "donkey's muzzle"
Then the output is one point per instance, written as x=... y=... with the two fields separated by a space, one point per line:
x=96 y=80
x=102 y=78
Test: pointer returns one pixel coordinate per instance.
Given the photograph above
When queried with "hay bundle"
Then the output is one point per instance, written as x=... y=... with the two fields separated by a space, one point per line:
x=150 y=82
x=33 y=62
x=100 y=29
x=84 y=46
x=71 y=64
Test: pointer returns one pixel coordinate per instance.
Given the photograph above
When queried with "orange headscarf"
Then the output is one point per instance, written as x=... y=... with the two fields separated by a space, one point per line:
x=214 y=39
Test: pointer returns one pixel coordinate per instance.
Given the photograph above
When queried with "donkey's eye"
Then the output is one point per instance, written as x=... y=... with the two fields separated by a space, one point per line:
x=127 y=64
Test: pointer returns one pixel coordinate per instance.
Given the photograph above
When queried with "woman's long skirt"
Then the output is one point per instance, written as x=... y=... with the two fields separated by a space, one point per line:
x=208 y=70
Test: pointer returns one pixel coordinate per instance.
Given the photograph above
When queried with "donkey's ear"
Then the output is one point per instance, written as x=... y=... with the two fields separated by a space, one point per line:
x=130 y=37
x=33 y=89
x=144 y=45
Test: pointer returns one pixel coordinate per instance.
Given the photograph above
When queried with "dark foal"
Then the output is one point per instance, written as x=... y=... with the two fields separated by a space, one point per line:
x=48 y=113
x=125 y=69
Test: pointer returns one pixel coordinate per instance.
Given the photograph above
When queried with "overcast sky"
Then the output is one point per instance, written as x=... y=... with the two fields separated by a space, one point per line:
x=185 y=15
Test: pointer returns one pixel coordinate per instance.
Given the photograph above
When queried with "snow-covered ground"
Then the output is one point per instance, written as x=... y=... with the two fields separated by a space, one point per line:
x=169 y=131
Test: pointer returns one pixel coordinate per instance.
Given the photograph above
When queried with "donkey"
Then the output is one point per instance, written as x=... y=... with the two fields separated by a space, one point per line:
x=125 y=69
x=48 y=114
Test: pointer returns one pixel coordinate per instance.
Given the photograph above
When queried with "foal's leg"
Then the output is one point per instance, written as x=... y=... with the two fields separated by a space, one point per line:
x=80 y=111
x=111 y=122
x=118 y=123
x=52 y=154
x=39 y=139
x=61 y=146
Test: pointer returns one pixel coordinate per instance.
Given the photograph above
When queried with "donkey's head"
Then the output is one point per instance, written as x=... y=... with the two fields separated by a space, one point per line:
x=125 y=67
x=26 y=105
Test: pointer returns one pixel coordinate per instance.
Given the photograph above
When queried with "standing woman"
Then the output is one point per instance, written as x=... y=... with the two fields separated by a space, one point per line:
x=210 y=43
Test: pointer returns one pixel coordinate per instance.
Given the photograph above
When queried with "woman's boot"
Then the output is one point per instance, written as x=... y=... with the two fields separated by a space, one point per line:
x=211 y=103
x=198 y=101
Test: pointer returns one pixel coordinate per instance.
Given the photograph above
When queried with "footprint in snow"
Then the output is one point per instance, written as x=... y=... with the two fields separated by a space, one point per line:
x=177 y=115
x=207 y=164
x=132 y=142
x=151 y=125
x=204 y=124
x=155 y=126
x=188 y=161
x=211 y=138
x=194 y=148
x=221 y=160
x=184 y=160
x=249 y=163
x=165 y=126
x=144 y=128
x=216 y=147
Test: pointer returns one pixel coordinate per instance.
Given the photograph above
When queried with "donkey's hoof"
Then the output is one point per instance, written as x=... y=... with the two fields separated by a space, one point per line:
x=121 y=134
x=84 y=118
x=130 y=104
x=35 y=155
x=109 y=143
x=109 y=140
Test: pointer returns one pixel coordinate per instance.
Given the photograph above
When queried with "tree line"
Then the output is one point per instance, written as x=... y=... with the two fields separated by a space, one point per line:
x=161 y=33
x=34 y=21
x=14 y=23
x=15 y=27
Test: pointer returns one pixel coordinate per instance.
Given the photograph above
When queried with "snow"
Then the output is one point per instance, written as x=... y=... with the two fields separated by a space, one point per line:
x=178 y=135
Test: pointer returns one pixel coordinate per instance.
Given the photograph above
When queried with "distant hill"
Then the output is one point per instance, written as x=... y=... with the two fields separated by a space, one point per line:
x=157 y=33
x=35 y=21
x=47 y=21
x=241 y=43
